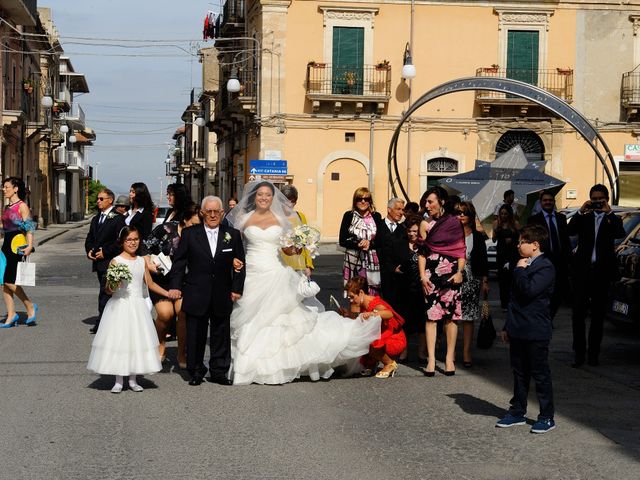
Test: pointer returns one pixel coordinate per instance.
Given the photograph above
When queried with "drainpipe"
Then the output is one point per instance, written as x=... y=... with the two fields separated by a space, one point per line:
x=371 y=135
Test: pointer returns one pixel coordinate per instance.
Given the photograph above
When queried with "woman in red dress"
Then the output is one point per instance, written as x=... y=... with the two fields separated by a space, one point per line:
x=392 y=341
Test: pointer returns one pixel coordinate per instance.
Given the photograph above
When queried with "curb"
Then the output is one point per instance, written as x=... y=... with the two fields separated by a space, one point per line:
x=62 y=231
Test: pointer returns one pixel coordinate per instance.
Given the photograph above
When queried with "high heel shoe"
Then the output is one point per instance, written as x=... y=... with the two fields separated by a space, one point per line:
x=31 y=321
x=389 y=373
x=12 y=323
x=428 y=373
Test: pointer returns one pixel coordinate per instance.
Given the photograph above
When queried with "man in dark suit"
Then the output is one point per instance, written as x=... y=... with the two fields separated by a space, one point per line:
x=203 y=274
x=594 y=269
x=558 y=249
x=390 y=236
x=101 y=244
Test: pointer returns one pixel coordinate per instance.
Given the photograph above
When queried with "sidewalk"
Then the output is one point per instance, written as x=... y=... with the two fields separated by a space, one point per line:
x=43 y=235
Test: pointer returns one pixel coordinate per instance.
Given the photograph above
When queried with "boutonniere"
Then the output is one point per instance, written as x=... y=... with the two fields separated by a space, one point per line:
x=227 y=237
x=112 y=215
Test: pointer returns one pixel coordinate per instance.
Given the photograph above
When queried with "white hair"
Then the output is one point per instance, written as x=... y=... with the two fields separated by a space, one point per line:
x=391 y=203
x=210 y=198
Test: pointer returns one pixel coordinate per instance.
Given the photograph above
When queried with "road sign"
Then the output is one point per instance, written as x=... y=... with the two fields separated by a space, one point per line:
x=632 y=151
x=268 y=167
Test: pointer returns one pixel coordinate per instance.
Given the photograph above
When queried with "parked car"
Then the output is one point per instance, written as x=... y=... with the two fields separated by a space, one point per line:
x=625 y=293
x=160 y=214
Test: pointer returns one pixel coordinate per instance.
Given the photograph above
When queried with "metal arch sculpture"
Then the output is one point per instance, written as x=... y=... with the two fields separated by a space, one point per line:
x=519 y=89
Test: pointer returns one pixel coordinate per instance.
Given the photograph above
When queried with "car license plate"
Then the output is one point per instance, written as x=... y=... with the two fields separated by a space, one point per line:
x=620 y=307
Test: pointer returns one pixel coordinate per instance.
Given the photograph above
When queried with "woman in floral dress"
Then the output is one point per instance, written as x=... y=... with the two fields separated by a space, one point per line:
x=441 y=262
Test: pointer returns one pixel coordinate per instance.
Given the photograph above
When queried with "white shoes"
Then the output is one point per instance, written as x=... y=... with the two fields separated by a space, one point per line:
x=136 y=388
x=117 y=388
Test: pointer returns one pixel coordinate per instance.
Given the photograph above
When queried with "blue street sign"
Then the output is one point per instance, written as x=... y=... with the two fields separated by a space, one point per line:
x=268 y=167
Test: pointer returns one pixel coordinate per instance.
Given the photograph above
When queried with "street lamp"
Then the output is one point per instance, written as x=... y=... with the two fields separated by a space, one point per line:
x=46 y=101
x=64 y=129
x=233 y=84
x=200 y=121
x=408 y=68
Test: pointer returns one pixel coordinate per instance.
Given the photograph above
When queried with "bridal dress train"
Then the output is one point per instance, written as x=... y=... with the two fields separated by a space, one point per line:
x=275 y=338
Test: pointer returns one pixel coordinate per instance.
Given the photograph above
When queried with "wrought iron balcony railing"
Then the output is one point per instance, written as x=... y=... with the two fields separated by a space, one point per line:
x=557 y=81
x=327 y=80
x=630 y=94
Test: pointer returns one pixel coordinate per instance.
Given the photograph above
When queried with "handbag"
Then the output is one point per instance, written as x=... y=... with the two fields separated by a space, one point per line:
x=486 y=330
x=26 y=273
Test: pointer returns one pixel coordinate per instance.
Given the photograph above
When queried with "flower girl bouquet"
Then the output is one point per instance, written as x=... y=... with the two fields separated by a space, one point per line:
x=302 y=236
x=116 y=274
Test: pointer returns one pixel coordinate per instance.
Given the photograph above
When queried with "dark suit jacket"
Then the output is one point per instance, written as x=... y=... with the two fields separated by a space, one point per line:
x=346 y=240
x=206 y=282
x=143 y=222
x=584 y=227
x=560 y=259
x=529 y=315
x=104 y=236
x=389 y=246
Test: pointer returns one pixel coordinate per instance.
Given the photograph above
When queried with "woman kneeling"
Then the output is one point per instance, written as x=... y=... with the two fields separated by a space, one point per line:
x=392 y=341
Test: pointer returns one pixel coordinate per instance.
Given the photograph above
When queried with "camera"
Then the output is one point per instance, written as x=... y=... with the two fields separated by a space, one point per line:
x=597 y=205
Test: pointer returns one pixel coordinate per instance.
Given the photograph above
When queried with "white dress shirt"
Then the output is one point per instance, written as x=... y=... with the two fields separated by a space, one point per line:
x=212 y=236
x=390 y=225
x=598 y=216
x=131 y=213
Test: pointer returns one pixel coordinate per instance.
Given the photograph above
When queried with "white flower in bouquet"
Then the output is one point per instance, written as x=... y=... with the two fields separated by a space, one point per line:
x=116 y=274
x=302 y=236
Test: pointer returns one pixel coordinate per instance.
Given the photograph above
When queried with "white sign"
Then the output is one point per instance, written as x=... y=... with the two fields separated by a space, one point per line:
x=632 y=151
x=272 y=155
x=572 y=194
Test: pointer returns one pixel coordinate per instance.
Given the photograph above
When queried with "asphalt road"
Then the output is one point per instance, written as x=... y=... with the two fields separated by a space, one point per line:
x=58 y=420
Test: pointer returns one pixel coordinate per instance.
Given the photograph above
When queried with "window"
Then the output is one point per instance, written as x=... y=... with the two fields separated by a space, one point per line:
x=522 y=55
x=350 y=137
x=531 y=144
x=347 y=60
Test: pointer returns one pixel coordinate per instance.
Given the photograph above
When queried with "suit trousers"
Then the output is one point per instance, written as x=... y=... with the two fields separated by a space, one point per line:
x=103 y=297
x=530 y=358
x=590 y=293
x=219 y=344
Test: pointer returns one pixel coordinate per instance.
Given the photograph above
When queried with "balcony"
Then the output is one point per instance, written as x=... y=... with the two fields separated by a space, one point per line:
x=340 y=85
x=75 y=118
x=231 y=22
x=557 y=81
x=22 y=12
x=630 y=94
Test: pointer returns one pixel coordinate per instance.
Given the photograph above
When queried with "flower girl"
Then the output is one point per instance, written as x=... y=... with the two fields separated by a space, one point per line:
x=126 y=342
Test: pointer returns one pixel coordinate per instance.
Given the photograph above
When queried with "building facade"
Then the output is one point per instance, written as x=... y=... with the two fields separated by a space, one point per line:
x=321 y=88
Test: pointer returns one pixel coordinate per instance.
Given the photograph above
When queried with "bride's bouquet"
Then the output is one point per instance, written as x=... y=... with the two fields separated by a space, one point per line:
x=302 y=236
x=116 y=274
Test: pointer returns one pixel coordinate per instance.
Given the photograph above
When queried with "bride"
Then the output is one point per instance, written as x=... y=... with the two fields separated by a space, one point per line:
x=275 y=338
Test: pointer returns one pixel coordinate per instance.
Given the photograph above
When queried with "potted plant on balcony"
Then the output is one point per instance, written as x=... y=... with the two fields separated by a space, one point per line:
x=350 y=78
x=313 y=63
x=564 y=71
x=383 y=65
x=492 y=69
x=28 y=86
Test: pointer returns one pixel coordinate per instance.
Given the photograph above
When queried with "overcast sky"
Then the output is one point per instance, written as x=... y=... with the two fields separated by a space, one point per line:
x=135 y=102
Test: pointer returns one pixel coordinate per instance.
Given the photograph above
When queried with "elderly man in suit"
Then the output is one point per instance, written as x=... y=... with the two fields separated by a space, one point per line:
x=558 y=249
x=101 y=244
x=203 y=275
x=594 y=269
x=391 y=239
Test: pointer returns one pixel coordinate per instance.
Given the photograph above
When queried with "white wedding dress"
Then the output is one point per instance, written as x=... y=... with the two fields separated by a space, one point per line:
x=274 y=337
x=126 y=342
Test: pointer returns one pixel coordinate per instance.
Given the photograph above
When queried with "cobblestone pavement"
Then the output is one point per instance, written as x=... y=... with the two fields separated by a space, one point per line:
x=57 y=420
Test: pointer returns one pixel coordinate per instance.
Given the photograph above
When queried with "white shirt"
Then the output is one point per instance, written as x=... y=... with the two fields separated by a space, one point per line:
x=212 y=236
x=131 y=213
x=597 y=220
x=390 y=224
x=103 y=215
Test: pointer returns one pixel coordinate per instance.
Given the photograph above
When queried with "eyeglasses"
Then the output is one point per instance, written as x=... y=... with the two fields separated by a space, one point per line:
x=462 y=213
x=102 y=199
x=363 y=199
x=132 y=240
x=213 y=213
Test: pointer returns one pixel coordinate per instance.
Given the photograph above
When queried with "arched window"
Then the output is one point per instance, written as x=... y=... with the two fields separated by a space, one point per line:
x=439 y=168
x=531 y=144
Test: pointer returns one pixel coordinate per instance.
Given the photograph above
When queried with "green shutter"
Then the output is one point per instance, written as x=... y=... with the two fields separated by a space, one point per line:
x=522 y=56
x=347 y=60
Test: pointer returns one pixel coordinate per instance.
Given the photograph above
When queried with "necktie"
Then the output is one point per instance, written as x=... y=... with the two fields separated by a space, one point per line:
x=597 y=219
x=553 y=234
x=213 y=239
x=102 y=217
x=393 y=227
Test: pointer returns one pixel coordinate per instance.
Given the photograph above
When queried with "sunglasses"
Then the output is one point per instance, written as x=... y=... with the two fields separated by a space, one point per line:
x=363 y=199
x=462 y=213
x=102 y=199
